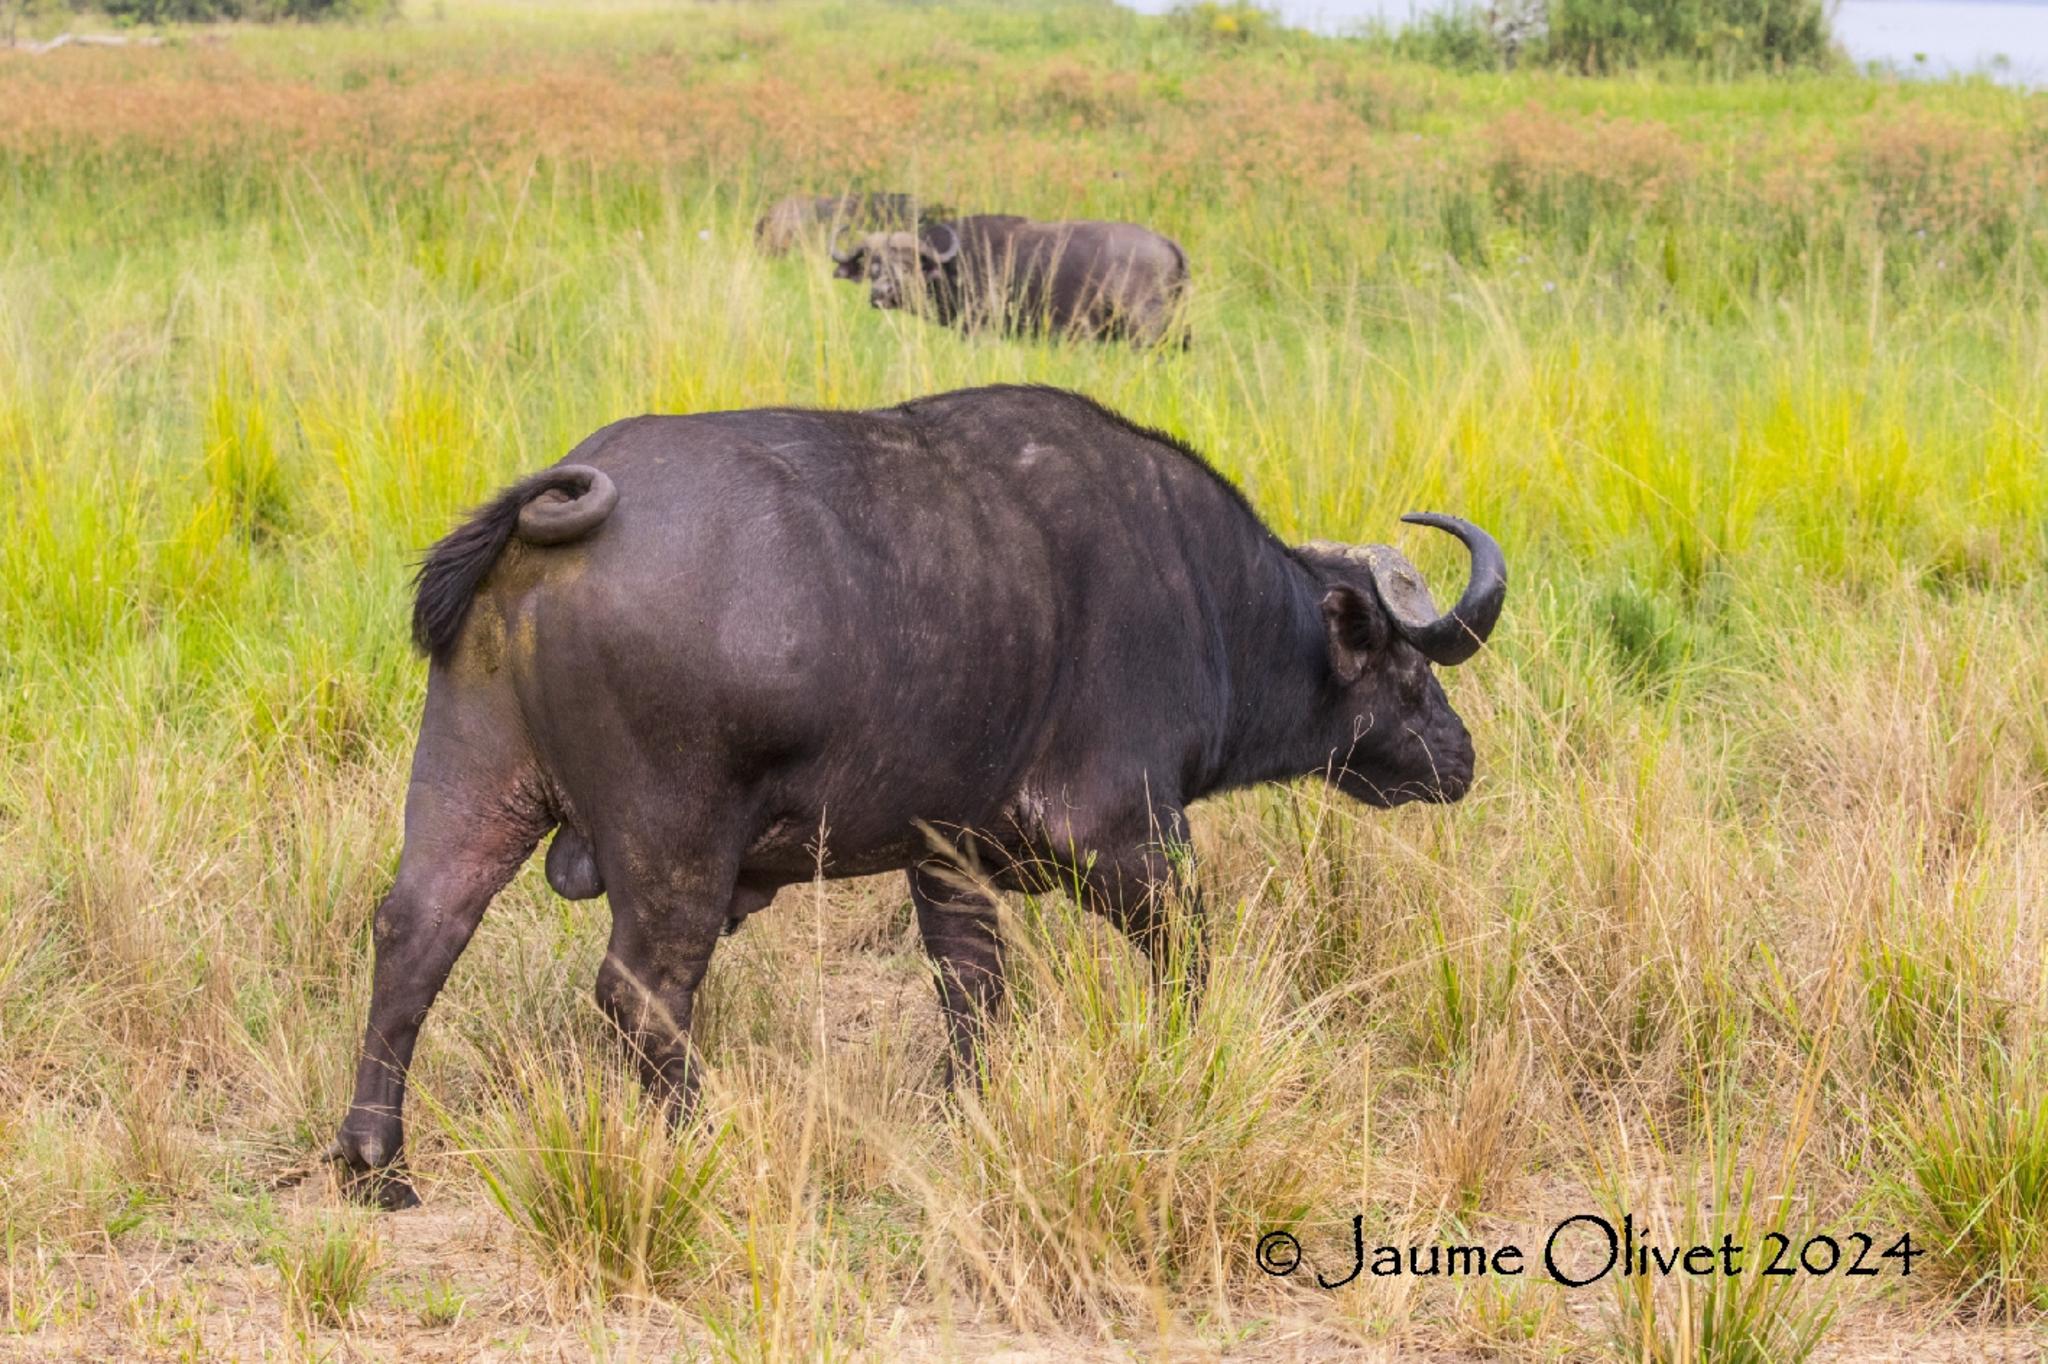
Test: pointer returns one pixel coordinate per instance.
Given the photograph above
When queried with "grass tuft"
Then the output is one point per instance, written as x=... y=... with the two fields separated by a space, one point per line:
x=1127 y=1146
x=606 y=1199
x=1977 y=1152
x=1747 y=1318
x=325 y=1267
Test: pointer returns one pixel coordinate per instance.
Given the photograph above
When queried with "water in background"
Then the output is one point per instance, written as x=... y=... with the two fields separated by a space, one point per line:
x=2008 y=41
x=2005 y=39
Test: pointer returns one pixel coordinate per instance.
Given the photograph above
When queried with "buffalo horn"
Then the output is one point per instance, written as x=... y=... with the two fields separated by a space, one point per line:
x=940 y=254
x=1449 y=638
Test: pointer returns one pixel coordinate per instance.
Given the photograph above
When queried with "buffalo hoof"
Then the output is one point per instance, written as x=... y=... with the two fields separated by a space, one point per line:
x=385 y=1187
x=388 y=1192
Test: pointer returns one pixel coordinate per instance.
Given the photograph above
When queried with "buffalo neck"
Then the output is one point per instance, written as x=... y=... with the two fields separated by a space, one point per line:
x=1277 y=663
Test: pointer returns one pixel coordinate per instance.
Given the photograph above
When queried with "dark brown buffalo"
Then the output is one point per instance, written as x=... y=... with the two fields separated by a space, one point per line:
x=1002 y=272
x=815 y=218
x=720 y=654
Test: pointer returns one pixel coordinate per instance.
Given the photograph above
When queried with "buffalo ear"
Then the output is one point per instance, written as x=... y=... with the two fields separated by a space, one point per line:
x=853 y=267
x=1355 y=628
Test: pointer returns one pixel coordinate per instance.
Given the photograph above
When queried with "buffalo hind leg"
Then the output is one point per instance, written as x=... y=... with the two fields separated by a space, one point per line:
x=664 y=929
x=959 y=925
x=459 y=853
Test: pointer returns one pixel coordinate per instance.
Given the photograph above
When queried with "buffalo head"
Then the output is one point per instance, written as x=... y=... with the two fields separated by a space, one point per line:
x=904 y=270
x=1392 y=734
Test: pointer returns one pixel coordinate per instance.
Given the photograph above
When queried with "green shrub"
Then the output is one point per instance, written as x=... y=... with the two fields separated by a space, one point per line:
x=201 y=11
x=1725 y=36
x=1647 y=635
x=1227 y=23
x=1457 y=39
x=1731 y=35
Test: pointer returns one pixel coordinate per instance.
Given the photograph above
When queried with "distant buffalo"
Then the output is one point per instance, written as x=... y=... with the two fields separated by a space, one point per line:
x=807 y=217
x=1006 y=273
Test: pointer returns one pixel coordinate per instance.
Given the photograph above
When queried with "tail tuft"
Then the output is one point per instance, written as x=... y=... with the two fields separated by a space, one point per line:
x=457 y=565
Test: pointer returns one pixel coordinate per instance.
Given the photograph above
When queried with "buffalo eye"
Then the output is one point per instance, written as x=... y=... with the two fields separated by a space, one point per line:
x=1355 y=628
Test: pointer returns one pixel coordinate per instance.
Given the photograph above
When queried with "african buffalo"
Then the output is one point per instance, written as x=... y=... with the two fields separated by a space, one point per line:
x=792 y=221
x=725 y=653
x=1012 y=274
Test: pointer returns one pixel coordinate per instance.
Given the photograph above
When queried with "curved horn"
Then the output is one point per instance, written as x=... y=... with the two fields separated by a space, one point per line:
x=845 y=258
x=1454 y=636
x=931 y=244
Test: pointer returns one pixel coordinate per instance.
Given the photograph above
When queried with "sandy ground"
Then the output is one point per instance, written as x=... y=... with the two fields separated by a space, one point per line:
x=219 y=1300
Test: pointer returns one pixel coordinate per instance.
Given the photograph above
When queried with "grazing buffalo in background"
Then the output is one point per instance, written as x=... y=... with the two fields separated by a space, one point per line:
x=1002 y=628
x=1012 y=274
x=808 y=217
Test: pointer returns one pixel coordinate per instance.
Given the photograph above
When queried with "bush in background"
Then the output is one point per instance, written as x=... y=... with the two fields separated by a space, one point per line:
x=1730 y=35
x=1594 y=36
x=1457 y=39
x=203 y=11
x=1233 y=21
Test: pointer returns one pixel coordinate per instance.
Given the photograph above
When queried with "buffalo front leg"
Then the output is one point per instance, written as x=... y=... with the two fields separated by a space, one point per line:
x=958 y=923
x=663 y=934
x=447 y=876
x=1148 y=891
